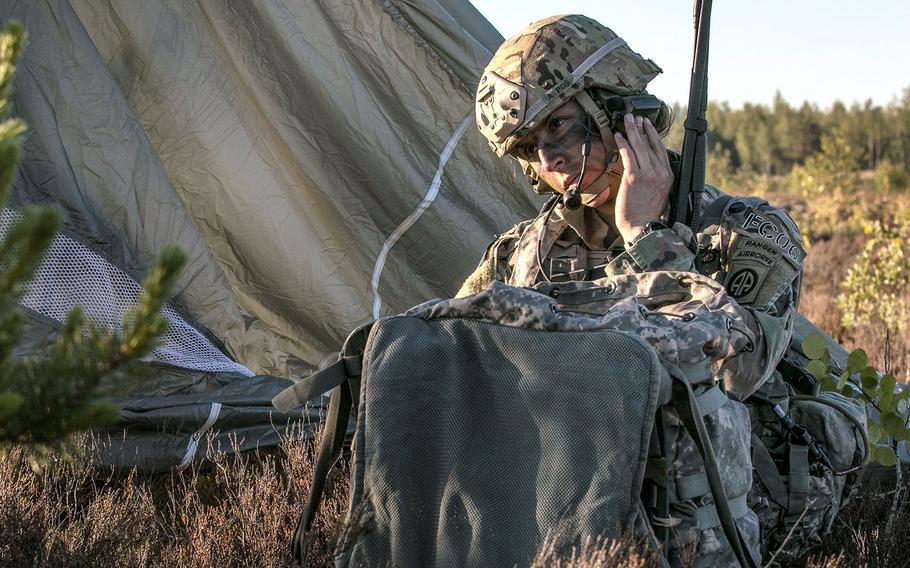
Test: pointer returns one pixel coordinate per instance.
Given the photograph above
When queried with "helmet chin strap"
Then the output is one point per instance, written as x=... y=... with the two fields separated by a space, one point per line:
x=613 y=170
x=598 y=114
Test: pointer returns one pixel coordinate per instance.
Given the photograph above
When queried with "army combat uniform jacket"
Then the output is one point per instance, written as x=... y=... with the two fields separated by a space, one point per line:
x=752 y=248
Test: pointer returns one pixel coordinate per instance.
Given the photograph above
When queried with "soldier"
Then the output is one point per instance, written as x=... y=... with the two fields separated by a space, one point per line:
x=551 y=98
x=534 y=100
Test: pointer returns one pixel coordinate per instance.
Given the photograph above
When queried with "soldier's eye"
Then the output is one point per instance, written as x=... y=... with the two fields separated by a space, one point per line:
x=528 y=151
x=557 y=122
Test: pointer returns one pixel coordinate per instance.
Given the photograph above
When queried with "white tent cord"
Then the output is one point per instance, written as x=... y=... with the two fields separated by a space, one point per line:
x=193 y=445
x=432 y=192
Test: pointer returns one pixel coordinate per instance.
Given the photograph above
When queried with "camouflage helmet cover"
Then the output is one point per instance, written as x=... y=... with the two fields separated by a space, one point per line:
x=537 y=70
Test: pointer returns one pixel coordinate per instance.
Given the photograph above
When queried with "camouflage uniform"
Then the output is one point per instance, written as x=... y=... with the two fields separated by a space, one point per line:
x=754 y=250
x=749 y=249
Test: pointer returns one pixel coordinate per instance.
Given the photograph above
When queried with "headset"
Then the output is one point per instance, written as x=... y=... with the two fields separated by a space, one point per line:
x=616 y=107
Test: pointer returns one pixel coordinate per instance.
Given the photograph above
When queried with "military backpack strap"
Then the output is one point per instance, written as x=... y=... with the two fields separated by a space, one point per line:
x=764 y=467
x=343 y=378
x=311 y=387
x=685 y=402
x=715 y=211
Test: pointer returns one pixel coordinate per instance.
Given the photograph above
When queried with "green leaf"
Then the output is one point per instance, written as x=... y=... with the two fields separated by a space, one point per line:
x=886 y=402
x=884 y=455
x=893 y=425
x=828 y=384
x=887 y=385
x=842 y=380
x=817 y=369
x=875 y=432
x=814 y=346
x=857 y=361
x=869 y=378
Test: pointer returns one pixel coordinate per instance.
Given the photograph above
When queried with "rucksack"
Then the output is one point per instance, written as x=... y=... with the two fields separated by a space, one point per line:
x=809 y=463
x=487 y=424
x=809 y=452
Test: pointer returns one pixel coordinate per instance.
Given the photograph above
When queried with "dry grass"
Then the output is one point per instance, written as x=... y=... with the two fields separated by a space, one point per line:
x=242 y=511
x=629 y=552
x=239 y=511
x=866 y=534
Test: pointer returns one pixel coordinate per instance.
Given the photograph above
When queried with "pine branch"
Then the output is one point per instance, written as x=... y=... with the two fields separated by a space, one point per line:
x=46 y=395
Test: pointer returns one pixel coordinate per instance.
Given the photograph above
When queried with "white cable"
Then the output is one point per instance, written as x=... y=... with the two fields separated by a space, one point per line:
x=432 y=192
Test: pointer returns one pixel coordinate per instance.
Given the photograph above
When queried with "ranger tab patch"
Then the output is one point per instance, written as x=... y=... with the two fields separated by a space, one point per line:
x=756 y=250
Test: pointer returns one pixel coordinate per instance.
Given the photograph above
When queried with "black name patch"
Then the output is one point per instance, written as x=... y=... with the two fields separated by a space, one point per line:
x=770 y=231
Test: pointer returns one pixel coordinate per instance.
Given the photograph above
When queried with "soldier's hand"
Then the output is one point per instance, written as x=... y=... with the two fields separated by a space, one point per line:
x=646 y=180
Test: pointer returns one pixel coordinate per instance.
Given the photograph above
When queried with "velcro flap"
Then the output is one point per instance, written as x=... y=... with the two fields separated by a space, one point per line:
x=707 y=517
x=711 y=400
x=476 y=440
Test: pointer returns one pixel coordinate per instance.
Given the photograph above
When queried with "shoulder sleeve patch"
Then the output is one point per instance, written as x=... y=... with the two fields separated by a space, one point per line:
x=763 y=255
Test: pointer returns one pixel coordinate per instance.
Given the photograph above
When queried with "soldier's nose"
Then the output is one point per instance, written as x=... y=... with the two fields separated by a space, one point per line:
x=551 y=159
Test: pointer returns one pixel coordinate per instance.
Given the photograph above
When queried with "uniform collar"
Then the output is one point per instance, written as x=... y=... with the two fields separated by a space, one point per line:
x=590 y=226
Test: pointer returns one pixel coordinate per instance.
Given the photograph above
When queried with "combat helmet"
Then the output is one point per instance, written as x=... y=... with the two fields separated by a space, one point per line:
x=548 y=63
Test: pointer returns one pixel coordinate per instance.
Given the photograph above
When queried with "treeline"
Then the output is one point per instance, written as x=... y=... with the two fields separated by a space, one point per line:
x=771 y=140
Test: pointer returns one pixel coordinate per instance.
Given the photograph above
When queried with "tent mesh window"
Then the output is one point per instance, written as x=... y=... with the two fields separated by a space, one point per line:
x=72 y=275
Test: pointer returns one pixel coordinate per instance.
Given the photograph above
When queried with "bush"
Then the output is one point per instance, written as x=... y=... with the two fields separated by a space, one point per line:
x=890 y=177
x=875 y=290
x=829 y=180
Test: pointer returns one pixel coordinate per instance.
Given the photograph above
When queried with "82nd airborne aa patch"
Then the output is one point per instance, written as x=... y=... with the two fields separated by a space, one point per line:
x=742 y=282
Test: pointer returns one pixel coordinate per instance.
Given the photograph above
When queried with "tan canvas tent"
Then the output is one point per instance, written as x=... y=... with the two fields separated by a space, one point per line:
x=316 y=159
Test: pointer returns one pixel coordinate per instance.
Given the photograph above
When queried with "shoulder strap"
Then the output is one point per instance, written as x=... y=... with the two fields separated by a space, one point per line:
x=715 y=211
x=343 y=378
x=687 y=407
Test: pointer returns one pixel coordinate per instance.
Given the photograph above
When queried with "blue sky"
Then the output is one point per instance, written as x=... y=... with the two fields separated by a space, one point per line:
x=812 y=50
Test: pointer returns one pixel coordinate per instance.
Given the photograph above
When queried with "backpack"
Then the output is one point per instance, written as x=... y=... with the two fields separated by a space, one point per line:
x=809 y=453
x=489 y=425
x=808 y=464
